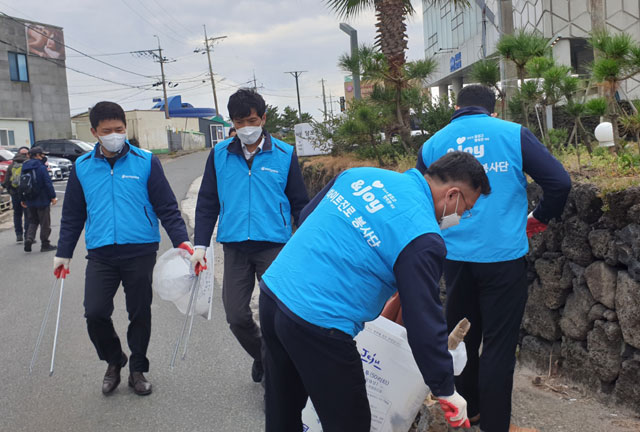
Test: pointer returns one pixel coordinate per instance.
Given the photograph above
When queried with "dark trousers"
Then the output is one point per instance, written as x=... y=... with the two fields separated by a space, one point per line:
x=303 y=361
x=240 y=272
x=492 y=296
x=18 y=213
x=39 y=216
x=103 y=278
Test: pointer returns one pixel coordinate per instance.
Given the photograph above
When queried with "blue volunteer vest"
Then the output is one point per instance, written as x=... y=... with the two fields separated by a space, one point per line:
x=337 y=270
x=118 y=207
x=496 y=230
x=253 y=205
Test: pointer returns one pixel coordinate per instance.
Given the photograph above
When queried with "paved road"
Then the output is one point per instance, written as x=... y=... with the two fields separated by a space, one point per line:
x=210 y=391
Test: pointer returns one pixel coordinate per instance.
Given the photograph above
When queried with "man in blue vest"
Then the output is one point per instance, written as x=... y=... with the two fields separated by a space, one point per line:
x=253 y=183
x=485 y=270
x=117 y=193
x=367 y=234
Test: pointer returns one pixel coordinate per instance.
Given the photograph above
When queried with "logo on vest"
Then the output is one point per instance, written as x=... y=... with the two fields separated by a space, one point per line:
x=365 y=193
x=476 y=150
x=124 y=176
x=269 y=169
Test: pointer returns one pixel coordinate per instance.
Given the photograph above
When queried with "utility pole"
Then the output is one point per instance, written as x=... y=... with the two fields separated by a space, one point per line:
x=255 y=86
x=324 y=101
x=208 y=43
x=296 y=74
x=162 y=61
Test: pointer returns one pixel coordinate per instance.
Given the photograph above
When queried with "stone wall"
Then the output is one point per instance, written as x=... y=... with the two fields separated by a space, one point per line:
x=582 y=318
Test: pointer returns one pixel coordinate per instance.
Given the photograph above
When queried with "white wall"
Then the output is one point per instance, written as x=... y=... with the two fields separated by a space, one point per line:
x=20 y=130
x=149 y=127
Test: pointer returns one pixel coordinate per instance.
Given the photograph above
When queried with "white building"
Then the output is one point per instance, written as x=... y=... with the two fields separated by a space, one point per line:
x=459 y=38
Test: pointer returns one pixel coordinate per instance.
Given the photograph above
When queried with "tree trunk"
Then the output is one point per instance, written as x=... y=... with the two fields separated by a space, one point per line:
x=612 y=113
x=391 y=37
x=405 y=132
x=585 y=136
x=525 y=111
x=376 y=150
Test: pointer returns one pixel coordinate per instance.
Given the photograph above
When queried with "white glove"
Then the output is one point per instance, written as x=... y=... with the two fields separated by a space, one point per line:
x=198 y=256
x=455 y=410
x=61 y=266
x=198 y=260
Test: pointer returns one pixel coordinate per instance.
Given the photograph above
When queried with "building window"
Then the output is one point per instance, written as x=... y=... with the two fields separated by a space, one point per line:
x=7 y=138
x=18 y=67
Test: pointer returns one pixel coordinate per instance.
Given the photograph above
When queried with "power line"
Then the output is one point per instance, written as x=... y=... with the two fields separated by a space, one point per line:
x=73 y=49
x=23 y=51
x=148 y=22
x=152 y=14
x=173 y=17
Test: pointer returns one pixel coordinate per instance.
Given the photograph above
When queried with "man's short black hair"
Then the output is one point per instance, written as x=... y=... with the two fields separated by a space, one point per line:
x=106 y=111
x=462 y=167
x=242 y=101
x=477 y=95
x=232 y=129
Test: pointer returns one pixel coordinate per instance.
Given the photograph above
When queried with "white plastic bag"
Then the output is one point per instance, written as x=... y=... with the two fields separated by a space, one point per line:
x=173 y=279
x=395 y=387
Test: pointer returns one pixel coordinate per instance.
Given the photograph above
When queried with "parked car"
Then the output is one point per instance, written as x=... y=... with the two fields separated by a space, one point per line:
x=6 y=157
x=70 y=149
x=65 y=165
x=54 y=170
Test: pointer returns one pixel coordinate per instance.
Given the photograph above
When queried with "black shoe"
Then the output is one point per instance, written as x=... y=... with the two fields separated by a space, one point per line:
x=256 y=371
x=27 y=245
x=47 y=247
x=19 y=238
x=139 y=384
x=112 y=376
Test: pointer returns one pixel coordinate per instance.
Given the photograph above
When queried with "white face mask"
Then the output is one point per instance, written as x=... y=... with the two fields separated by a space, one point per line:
x=450 y=220
x=249 y=134
x=113 y=142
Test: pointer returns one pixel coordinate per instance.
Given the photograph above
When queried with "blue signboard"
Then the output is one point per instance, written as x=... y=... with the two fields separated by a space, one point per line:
x=455 y=62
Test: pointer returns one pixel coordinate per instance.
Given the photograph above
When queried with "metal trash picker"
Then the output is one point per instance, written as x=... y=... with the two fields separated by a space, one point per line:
x=188 y=317
x=60 y=274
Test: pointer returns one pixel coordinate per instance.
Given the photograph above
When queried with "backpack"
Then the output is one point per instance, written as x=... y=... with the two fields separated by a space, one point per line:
x=27 y=187
x=16 y=171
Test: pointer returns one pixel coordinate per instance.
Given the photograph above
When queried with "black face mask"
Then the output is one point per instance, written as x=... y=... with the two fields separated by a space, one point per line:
x=44 y=159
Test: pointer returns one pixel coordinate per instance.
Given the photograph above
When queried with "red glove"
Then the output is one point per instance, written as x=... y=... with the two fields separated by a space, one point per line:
x=61 y=267
x=61 y=272
x=534 y=226
x=186 y=246
x=455 y=410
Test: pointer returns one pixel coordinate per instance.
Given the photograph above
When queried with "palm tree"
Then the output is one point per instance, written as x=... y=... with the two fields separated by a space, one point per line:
x=372 y=65
x=487 y=73
x=391 y=39
x=618 y=60
x=520 y=48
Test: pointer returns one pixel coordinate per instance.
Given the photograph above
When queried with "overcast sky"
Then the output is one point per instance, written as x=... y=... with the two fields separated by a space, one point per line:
x=265 y=37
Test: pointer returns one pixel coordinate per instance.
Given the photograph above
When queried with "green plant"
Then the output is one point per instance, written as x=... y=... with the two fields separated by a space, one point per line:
x=487 y=73
x=556 y=138
x=520 y=48
x=391 y=83
x=617 y=59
